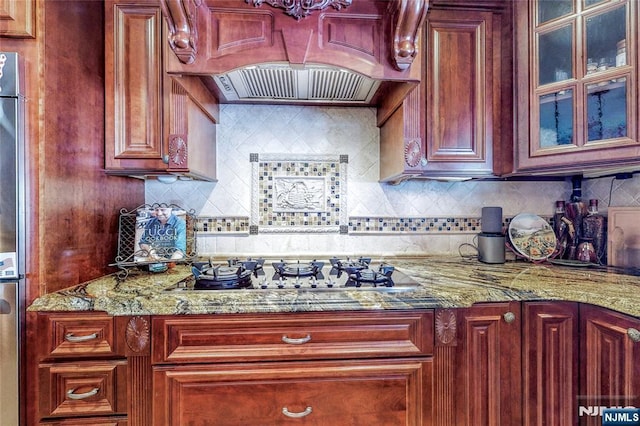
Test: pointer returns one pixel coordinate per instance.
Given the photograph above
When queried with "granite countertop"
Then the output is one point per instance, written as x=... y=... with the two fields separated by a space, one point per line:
x=446 y=282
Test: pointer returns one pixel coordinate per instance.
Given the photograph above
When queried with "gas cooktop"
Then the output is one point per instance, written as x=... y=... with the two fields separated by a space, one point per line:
x=300 y=275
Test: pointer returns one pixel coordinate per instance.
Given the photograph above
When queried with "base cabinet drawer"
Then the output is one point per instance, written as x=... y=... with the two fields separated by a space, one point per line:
x=376 y=392
x=91 y=388
x=279 y=337
x=78 y=335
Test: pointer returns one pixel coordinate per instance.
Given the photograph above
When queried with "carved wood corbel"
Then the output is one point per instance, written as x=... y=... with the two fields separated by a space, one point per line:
x=410 y=15
x=181 y=17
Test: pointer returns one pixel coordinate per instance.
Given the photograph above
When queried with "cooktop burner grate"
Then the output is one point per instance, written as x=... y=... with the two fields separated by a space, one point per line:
x=347 y=274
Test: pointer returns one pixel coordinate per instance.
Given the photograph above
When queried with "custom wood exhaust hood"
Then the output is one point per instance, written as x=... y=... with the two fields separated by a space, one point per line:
x=348 y=52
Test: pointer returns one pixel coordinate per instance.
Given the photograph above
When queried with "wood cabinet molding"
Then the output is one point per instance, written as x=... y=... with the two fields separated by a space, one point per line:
x=18 y=18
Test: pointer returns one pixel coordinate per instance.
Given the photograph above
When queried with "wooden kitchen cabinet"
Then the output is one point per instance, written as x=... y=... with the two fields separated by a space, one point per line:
x=156 y=123
x=355 y=368
x=609 y=362
x=477 y=365
x=457 y=122
x=92 y=369
x=550 y=351
x=577 y=86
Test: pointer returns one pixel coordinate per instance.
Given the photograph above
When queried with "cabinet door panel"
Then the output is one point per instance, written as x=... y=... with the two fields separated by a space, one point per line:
x=489 y=368
x=459 y=91
x=133 y=86
x=550 y=363
x=18 y=18
x=609 y=364
x=381 y=392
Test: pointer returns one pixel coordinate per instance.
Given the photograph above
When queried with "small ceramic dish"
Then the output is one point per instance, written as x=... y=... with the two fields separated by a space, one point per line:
x=532 y=237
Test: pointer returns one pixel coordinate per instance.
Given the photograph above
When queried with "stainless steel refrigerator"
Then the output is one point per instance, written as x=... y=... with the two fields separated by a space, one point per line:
x=12 y=238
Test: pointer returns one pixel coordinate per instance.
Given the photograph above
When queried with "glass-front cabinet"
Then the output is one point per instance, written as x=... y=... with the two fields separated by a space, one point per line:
x=577 y=90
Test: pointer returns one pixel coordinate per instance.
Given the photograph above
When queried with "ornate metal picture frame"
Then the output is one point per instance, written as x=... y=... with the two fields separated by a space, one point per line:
x=153 y=236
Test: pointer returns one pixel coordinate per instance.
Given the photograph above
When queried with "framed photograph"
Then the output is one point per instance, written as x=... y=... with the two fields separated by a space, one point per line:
x=156 y=234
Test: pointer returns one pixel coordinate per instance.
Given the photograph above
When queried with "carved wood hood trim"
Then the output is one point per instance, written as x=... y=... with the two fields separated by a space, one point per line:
x=408 y=15
x=302 y=8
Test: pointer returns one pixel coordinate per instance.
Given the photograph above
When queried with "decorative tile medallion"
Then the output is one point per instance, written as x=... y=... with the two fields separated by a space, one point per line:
x=299 y=193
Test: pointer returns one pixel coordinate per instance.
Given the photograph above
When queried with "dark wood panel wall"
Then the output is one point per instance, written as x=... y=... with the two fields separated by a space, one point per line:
x=72 y=205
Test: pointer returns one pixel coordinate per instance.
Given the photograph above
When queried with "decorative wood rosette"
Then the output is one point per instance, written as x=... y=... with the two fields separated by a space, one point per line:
x=177 y=151
x=412 y=153
x=446 y=327
x=137 y=334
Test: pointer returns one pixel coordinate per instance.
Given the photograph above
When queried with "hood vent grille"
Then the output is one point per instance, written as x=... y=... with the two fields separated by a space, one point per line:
x=316 y=83
x=269 y=83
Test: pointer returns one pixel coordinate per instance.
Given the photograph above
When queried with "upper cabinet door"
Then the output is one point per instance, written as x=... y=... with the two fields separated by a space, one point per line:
x=18 y=18
x=577 y=85
x=457 y=124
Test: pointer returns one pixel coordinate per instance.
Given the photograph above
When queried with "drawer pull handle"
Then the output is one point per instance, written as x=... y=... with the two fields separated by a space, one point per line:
x=69 y=337
x=71 y=394
x=634 y=335
x=304 y=413
x=293 y=341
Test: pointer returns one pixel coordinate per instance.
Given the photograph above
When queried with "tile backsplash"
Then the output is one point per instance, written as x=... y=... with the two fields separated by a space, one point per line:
x=413 y=217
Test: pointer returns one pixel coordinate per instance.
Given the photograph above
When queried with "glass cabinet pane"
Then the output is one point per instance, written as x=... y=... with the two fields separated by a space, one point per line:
x=555 y=55
x=605 y=37
x=588 y=3
x=552 y=9
x=556 y=119
x=607 y=110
